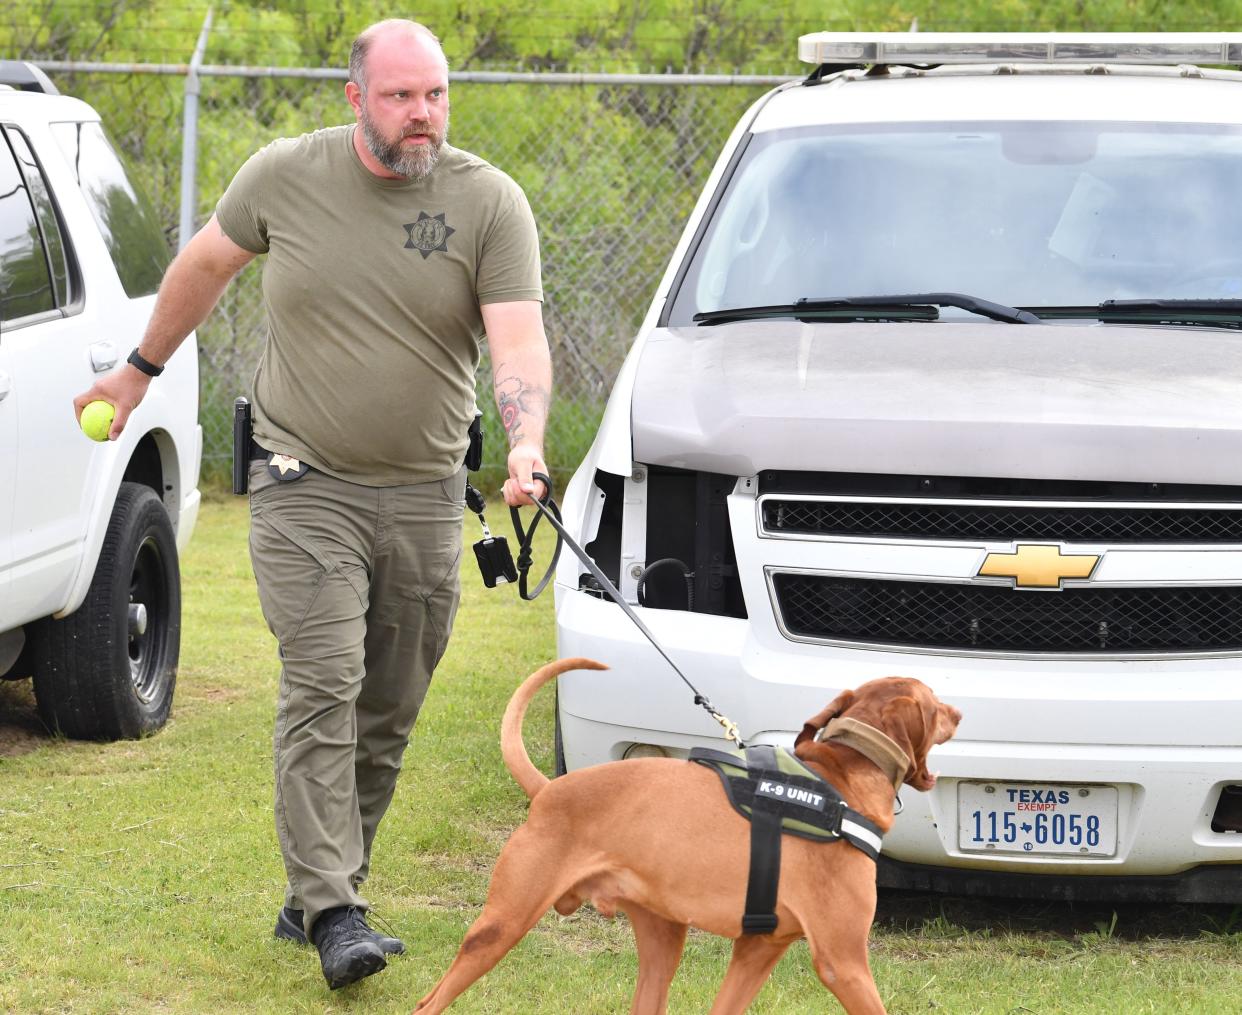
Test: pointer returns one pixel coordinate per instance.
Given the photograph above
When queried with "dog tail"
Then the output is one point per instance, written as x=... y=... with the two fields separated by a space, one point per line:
x=511 y=745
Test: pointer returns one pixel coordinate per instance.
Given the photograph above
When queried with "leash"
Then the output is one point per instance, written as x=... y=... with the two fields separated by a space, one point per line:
x=494 y=570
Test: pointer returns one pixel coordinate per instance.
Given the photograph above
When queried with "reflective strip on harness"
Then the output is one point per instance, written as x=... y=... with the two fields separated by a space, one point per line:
x=861 y=836
x=779 y=795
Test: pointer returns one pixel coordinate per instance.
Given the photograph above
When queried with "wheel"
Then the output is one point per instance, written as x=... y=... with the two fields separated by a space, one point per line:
x=558 y=747
x=107 y=671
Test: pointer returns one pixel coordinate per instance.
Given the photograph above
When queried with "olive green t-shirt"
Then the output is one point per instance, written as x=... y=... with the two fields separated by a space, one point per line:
x=372 y=289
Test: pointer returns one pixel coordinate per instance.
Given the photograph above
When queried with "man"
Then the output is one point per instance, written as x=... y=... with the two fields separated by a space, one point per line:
x=389 y=254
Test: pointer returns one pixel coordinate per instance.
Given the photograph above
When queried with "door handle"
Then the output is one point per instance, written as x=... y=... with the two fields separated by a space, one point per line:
x=6 y=385
x=103 y=356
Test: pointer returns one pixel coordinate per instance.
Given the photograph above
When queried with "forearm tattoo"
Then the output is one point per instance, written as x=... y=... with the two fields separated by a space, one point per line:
x=520 y=404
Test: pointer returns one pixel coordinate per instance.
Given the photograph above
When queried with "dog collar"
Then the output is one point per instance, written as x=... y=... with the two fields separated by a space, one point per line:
x=873 y=745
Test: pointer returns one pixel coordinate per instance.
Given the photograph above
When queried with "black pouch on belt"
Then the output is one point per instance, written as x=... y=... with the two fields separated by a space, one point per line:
x=241 y=444
x=474 y=450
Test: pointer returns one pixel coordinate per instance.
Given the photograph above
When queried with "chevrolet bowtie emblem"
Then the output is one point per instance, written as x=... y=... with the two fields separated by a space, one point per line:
x=1038 y=566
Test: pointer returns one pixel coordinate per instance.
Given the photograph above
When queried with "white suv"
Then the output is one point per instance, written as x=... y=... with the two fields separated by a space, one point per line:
x=944 y=379
x=90 y=596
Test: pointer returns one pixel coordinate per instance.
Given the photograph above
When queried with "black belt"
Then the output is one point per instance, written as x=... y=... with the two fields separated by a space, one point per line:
x=257 y=452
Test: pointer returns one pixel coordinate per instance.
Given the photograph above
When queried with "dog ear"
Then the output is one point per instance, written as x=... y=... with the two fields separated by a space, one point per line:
x=906 y=724
x=816 y=723
x=946 y=721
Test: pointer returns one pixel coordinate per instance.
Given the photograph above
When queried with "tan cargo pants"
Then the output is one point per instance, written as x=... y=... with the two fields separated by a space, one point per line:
x=359 y=586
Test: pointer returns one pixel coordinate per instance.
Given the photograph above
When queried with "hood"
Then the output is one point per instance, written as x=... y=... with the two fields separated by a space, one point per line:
x=1096 y=402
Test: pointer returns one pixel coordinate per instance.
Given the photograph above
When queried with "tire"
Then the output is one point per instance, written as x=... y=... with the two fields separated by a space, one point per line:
x=99 y=674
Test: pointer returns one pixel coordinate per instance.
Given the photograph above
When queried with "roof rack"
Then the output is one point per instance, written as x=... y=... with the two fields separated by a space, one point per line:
x=26 y=77
x=1166 y=48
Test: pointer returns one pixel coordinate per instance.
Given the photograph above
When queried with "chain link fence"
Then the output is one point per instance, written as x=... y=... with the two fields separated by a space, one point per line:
x=611 y=164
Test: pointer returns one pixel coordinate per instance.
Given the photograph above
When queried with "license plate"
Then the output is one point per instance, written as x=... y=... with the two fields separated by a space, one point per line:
x=1036 y=819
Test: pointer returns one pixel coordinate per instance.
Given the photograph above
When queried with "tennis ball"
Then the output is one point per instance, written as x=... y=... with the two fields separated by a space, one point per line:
x=97 y=420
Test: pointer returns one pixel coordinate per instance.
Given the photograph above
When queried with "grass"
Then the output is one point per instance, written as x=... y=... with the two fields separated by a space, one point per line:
x=144 y=876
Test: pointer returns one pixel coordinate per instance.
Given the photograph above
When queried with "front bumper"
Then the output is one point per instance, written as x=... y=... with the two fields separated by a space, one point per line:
x=1208 y=884
x=1163 y=732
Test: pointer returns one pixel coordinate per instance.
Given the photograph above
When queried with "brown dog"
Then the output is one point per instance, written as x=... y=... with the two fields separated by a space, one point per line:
x=657 y=839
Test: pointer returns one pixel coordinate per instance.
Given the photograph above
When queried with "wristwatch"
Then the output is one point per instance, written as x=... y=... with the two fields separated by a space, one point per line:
x=146 y=366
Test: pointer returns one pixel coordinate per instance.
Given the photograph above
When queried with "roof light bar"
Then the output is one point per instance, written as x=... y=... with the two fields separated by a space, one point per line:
x=1021 y=47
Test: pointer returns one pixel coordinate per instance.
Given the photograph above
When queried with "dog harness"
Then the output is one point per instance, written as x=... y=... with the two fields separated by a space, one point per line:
x=780 y=795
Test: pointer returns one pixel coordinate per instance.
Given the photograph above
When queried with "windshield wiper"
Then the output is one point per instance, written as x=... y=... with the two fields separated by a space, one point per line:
x=909 y=307
x=984 y=308
x=822 y=310
x=1212 y=313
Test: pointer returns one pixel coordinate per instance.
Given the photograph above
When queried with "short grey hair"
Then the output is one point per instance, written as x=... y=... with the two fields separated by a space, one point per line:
x=362 y=44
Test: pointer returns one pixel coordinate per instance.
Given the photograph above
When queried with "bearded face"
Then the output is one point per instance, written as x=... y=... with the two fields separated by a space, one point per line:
x=412 y=159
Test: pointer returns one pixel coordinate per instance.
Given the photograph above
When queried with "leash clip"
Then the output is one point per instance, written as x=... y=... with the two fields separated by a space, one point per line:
x=730 y=727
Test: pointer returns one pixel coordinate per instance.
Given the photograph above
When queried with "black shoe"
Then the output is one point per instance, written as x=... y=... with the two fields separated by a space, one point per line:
x=347 y=948
x=289 y=928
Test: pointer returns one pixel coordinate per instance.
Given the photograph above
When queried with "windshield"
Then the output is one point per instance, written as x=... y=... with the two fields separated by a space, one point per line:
x=1027 y=214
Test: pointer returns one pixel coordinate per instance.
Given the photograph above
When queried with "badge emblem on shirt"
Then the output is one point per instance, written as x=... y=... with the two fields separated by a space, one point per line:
x=429 y=234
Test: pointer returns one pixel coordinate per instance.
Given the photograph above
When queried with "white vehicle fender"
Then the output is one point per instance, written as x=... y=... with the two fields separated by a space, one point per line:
x=155 y=418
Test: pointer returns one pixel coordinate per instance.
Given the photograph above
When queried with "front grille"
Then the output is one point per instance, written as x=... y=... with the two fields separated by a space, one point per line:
x=977 y=617
x=1073 y=523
